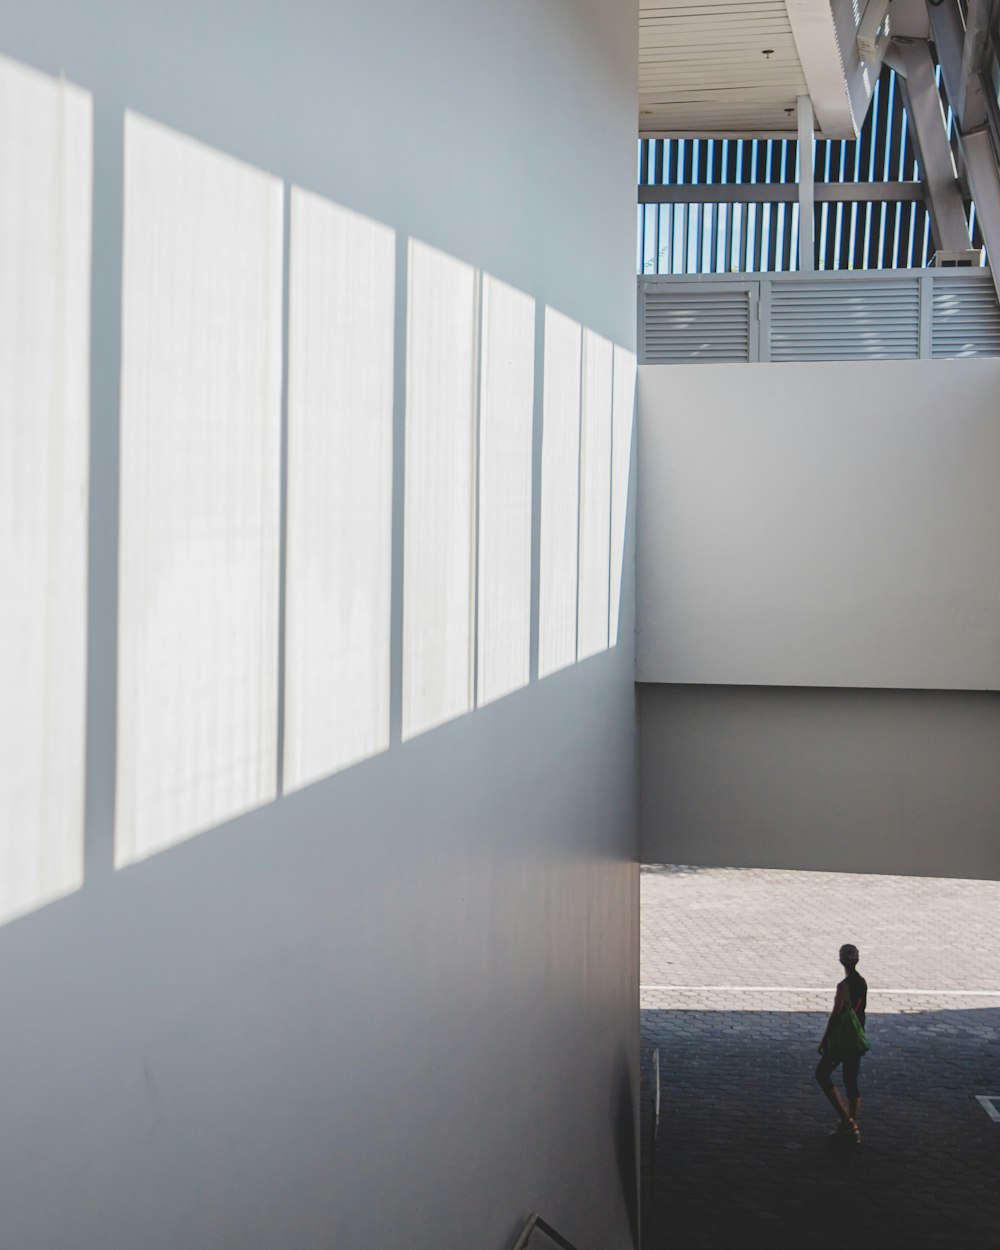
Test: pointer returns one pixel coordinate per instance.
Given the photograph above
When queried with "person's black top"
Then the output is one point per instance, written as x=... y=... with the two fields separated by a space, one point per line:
x=858 y=988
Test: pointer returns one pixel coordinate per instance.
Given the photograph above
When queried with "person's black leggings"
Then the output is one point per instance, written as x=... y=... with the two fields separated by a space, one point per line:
x=852 y=1065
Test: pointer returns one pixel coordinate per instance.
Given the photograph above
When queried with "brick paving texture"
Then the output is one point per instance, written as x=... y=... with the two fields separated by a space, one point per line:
x=741 y=1155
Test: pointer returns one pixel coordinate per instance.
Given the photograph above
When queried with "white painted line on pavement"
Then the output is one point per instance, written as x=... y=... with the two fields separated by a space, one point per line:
x=986 y=1101
x=823 y=989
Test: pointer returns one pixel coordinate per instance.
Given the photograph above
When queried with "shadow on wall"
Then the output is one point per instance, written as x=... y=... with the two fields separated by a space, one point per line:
x=326 y=546
x=743 y=1157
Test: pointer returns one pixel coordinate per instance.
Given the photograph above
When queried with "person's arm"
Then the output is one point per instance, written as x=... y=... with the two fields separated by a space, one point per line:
x=838 y=1007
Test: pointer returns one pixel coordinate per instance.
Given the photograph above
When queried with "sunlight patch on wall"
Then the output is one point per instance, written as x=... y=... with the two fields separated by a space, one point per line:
x=506 y=414
x=339 y=552
x=595 y=495
x=440 y=486
x=200 y=466
x=46 y=148
x=560 y=494
x=623 y=408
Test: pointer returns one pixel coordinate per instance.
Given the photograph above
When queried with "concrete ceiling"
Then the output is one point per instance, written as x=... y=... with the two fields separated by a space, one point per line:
x=717 y=67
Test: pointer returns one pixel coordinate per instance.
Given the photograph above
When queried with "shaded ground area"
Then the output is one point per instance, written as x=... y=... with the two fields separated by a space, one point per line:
x=741 y=1157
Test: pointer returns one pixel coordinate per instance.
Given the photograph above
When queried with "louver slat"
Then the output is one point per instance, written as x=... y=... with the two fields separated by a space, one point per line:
x=827 y=320
x=707 y=326
x=834 y=316
x=966 y=317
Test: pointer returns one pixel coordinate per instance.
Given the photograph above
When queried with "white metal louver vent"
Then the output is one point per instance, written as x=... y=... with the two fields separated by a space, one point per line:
x=837 y=315
x=828 y=319
x=681 y=325
x=966 y=316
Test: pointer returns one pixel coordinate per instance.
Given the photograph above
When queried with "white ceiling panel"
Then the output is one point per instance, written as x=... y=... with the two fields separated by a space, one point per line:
x=721 y=66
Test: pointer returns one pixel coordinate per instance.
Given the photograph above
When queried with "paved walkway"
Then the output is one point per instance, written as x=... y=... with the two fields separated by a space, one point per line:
x=738 y=972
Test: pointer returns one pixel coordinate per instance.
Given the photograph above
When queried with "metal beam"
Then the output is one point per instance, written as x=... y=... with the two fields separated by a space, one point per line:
x=815 y=35
x=960 y=48
x=971 y=106
x=858 y=192
x=930 y=138
x=807 y=148
x=984 y=183
x=779 y=192
x=948 y=36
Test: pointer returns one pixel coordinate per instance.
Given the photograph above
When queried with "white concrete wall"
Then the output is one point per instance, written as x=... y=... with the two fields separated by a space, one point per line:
x=819 y=616
x=397 y=1008
x=820 y=524
x=884 y=781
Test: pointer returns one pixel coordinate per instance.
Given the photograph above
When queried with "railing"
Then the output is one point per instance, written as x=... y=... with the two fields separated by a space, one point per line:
x=656 y=1095
x=536 y=1221
x=902 y=314
x=649 y=1118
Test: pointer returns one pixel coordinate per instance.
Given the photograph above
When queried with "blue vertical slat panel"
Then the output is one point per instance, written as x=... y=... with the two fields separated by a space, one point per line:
x=852 y=235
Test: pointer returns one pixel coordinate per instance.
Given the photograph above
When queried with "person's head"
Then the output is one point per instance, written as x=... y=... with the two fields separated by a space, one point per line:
x=849 y=956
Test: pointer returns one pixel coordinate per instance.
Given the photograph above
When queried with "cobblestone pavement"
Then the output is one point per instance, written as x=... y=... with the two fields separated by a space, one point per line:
x=738 y=970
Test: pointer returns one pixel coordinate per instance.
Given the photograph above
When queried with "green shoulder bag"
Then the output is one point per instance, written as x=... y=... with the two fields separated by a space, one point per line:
x=847 y=1037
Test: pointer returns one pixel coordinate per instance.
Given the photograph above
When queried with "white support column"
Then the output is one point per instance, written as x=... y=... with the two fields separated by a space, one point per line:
x=960 y=48
x=930 y=138
x=806 y=188
x=971 y=97
x=960 y=51
x=827 y=76
x=984 y=183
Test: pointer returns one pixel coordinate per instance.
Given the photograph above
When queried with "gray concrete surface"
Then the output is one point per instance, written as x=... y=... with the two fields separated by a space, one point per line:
x=738 y=970
x=883 y=781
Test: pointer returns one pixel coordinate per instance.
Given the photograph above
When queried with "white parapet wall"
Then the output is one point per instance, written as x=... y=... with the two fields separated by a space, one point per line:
x=822 y=524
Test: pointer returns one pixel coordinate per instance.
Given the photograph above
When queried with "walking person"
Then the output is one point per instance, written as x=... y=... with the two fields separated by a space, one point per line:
x=844 y=1043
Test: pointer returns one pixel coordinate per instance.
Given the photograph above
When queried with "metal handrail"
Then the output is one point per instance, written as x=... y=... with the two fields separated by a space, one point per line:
x=649 y=1144
x=536 y=1221
x=656 y=1091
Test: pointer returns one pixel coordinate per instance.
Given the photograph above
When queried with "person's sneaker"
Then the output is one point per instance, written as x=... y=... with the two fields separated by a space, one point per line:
x=844 y=1129
x=855 y=1133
